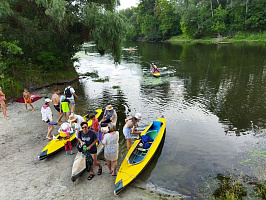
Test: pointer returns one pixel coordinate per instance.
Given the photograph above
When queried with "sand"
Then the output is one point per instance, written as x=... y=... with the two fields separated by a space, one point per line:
x=24 y=176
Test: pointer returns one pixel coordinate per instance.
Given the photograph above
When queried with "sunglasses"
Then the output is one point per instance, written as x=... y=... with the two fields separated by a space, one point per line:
x=83 y=127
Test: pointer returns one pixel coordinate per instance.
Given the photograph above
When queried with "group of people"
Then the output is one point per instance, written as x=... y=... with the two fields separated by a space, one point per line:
x=26 y=97
x=65 y=105
x=87 y=136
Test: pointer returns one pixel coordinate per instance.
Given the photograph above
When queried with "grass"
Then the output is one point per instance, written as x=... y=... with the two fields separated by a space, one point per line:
x=240 y=36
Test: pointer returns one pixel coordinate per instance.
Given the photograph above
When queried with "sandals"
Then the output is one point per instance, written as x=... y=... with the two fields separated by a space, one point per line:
x=91 y=176
x=111 y=172
x=100 y=171
x=114 y=174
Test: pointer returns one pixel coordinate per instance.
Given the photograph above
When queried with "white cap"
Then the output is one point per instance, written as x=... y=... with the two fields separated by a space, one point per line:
x=48 y=100
x=138 y=116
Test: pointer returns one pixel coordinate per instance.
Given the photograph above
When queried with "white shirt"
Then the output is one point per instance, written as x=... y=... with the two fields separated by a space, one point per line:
x=72 y=91
x=77 y=125
x=46 y=114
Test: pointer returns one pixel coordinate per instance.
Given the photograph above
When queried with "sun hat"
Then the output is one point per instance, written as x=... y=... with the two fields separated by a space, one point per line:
x=138 y=116
x=109 y=107
x=64 y=126
x=72 y=118
x=47 y=100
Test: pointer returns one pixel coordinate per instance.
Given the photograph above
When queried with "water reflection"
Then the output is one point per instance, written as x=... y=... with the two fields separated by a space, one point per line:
x=209 y=94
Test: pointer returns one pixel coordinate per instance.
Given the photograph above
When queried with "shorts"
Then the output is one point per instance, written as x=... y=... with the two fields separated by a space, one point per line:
x=57 y=107
x=47 y=121
x=72 y=101
x=126 y=132
x=28 y=100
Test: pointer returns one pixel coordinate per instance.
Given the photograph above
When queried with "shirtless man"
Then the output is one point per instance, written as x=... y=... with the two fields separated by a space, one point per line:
x=56 y=102
x=27 y=99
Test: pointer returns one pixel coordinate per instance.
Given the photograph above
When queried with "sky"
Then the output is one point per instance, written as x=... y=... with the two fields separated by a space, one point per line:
x=127 y=4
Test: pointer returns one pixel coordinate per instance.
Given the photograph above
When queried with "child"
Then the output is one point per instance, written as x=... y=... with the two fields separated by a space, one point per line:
x=95 y=122
x=47 y=117
x=27 y=99
x=65 y=134
x=64 y=106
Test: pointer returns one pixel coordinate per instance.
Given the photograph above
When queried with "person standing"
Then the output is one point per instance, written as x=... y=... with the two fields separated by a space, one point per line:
x=56 y=102
x=27 y=99
x=70 y=94
x=47 y=117
x=88 y=137
x=64 y=132
x=130 y=127
x=77 y=119
x=3 y=104
x=64 y=106
x=110 y=142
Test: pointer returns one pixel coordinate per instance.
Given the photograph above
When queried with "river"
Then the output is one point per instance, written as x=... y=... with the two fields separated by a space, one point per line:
x=213 y=99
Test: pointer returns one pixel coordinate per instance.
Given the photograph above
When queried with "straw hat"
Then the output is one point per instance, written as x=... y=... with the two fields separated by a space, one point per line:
x=72 y=118
x=109 y=107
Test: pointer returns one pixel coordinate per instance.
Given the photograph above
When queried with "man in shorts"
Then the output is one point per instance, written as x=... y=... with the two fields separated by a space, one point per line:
x=70 y=94
x=56 y=102
x=27 y=99
x=88 y=137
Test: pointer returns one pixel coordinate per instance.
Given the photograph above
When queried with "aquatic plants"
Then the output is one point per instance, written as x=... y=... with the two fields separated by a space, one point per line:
x=229 y=188
x=105 y=79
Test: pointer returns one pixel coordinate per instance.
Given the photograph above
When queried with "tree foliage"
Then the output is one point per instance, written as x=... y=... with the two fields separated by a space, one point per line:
x=162 y=19
x=57 y=28
x=50 y=32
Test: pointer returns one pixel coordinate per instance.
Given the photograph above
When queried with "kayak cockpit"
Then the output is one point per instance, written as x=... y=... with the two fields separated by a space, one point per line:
x=141 y=150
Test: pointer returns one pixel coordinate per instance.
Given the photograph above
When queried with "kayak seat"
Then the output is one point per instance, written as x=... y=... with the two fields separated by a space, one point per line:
x=152 y=134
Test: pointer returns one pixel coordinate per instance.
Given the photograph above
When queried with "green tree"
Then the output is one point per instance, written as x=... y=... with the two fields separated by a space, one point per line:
x=219 y=18
x=51 y=32
x=169 y=20
x=256 y=16
x=189 y=21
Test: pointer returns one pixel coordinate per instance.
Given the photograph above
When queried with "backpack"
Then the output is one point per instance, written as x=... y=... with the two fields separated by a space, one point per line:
x=67 y=92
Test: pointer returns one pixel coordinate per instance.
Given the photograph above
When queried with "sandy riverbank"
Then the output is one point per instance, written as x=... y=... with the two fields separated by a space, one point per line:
x=23 y=176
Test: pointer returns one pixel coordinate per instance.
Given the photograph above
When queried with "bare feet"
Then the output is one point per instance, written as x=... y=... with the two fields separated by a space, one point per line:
x=32 y=109
x=6 y=117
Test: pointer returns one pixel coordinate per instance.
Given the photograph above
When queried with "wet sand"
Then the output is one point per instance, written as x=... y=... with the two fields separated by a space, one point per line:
x=24 y=176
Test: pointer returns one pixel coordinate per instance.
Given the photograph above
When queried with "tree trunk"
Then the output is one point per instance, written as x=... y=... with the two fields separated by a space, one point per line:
x=211 y=7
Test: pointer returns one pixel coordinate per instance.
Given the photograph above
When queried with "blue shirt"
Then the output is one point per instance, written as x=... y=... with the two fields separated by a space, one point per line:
x=88 y=139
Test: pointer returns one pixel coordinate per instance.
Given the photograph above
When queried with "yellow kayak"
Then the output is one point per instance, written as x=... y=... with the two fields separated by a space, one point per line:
x=58 y=144
x=156 y=74
x=140 y=154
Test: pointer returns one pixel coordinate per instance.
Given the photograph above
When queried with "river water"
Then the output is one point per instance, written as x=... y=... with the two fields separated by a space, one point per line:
x=213 y=99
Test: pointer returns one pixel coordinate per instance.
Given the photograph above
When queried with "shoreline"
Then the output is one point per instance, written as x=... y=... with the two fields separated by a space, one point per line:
x=26 y=177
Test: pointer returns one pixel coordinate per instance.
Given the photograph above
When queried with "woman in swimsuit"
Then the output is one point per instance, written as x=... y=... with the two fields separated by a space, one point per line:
x=2 y=103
